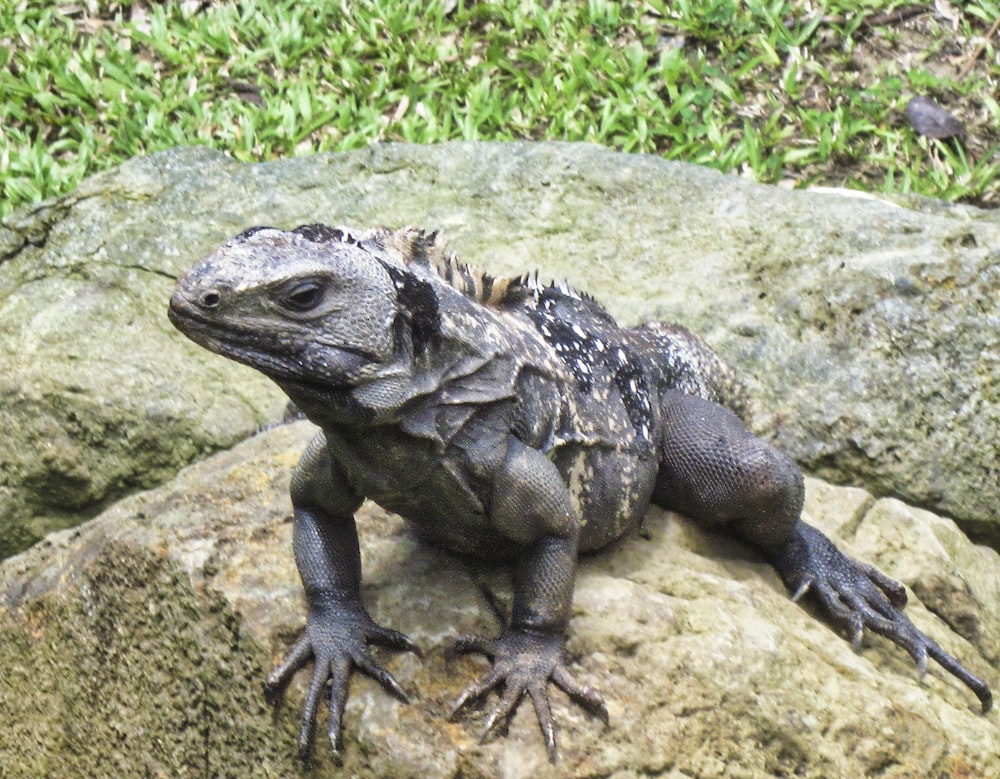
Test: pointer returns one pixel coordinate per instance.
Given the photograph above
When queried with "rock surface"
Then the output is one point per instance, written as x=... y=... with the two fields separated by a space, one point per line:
x=137 y=644
x=868 y=331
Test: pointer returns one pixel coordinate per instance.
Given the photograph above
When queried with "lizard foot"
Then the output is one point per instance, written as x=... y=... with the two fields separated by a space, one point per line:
x=524 y=662
x=859 y=596
x=338 y=641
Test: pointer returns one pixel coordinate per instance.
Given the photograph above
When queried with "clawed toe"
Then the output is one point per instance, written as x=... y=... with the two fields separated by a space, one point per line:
x=468 y=644
x=586 y=696
x=523 y=664
x=858 y=596
x=336 y=643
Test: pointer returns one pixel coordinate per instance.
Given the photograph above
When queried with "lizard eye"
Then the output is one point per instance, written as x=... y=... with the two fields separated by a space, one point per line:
x=304 y=296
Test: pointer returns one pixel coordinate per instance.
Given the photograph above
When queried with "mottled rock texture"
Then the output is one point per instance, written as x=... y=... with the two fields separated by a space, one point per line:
x=868 y=331
x=137 y=645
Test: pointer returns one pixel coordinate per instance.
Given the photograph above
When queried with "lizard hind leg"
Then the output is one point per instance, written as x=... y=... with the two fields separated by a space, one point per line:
x=715 y=471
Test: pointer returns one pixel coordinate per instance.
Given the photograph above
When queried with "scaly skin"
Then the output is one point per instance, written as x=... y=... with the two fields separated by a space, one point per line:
x=501 y=417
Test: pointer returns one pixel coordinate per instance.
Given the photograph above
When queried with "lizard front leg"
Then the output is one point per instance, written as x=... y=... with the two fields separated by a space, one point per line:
x=715 y=471
x=339 y=629
x=531 y=506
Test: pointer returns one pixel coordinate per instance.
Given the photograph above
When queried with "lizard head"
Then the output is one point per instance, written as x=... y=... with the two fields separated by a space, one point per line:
x=314 y=305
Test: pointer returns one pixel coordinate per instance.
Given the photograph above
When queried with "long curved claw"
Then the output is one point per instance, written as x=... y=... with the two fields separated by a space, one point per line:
x=523 y=664
x=367 y=664
x=586 y=696
x=338 y=702
x=502 y=712
x=475 y=691
x=804 y=586
x=296 y=659
x=894 y=591
x=464 y=645
x=977 y=685
x=540 y=700
x=392 y=639
x=859 y=596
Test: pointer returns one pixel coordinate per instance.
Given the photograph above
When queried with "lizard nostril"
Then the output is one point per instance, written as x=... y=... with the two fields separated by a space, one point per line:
x=210 y=299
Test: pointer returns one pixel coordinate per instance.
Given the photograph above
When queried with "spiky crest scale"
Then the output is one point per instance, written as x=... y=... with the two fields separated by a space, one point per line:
x=412 y=245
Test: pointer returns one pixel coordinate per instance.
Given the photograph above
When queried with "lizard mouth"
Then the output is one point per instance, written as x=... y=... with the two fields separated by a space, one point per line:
x=266 y=351
x=242 y=346
x=183 y=313
x=201 y=328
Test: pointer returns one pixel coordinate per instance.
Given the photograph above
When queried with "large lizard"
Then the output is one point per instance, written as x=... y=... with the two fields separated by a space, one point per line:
x=504 y=418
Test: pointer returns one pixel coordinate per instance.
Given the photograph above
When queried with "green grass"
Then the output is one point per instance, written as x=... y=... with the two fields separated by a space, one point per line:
x=777 y=91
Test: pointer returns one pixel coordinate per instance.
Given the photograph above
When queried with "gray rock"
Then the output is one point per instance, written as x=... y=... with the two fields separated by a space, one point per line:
x=868 y=331
x=137 y=644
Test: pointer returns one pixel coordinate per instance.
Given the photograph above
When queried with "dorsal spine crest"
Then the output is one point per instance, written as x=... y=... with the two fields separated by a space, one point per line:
x=411 y=246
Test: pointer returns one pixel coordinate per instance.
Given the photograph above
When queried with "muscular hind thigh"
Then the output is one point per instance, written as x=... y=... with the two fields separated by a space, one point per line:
x=715 y=471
